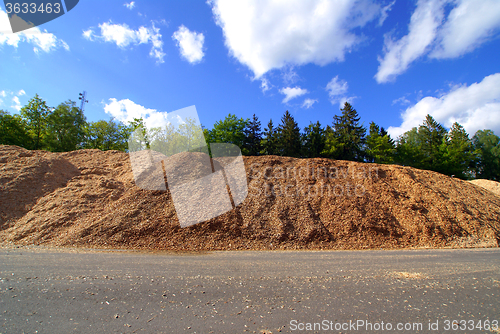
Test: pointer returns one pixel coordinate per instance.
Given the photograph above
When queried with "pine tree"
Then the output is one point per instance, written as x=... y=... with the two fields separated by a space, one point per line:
x=253 y=137
x=269 y=142
x=346 y=139
x=289 y=138
x=380 y=148
x=459 y=153
x=313 y=140
x=431 y=136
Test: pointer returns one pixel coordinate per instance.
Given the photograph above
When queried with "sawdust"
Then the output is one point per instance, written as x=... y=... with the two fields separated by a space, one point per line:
x=490 y=185
x=88 y=198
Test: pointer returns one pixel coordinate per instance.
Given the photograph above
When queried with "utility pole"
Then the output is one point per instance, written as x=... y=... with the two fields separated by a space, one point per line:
x=83 y=97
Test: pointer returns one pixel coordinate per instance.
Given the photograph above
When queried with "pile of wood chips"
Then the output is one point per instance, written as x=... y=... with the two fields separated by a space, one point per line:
x=88 y=198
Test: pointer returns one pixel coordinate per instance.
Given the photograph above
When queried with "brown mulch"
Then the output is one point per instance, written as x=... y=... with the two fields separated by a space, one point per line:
x=88 y=198
x=490 y=185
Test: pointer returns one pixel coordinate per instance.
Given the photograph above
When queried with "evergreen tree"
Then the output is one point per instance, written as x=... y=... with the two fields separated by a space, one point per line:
x=288 y=137
x=13 y=130
x=431 y=136
x=269 y=142
x=408 y=150
x=459 y=153
x=487 y=146
x=346 y=139
x=380 y=148
x=313 y=140
x=35 y=115
x=253 y=137
x=65 y=128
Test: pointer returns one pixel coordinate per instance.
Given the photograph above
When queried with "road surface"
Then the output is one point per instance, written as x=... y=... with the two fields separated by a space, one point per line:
x=445 y=291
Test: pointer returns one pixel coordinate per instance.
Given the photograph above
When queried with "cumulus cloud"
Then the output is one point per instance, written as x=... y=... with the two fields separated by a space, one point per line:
x=126 y=110
x=291 y=93
x=476 y=107
x=130 y=5
x=41 y=41
x=422 y=31
x=308 y=103
x=190 y=44
x=266 y=35
x=469 y=24
x=265 y=85
x=123 y=36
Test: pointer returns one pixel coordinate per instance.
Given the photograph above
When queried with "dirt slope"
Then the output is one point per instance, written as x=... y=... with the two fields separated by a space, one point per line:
x=88 y=198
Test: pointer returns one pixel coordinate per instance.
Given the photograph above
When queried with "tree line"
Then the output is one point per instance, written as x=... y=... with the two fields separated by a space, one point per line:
x=429 y=146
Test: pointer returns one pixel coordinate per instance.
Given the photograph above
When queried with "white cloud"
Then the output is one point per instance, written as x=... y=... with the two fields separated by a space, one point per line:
x=3 y=93
x=308 y=103
x=291 y=93
x=402 y=100
x=385 y=13
x=126 y=110
x=17 y=103
x=190 y=44
x=337 y=91
x=265 y=85
x=266 y=35
x=476 y=107
x=130 y=5
x=398 y=55
x=41 y=41
x=469 y=25
x=123 y=36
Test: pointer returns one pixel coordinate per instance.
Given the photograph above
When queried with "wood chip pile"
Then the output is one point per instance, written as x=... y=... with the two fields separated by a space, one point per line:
x=88 y=198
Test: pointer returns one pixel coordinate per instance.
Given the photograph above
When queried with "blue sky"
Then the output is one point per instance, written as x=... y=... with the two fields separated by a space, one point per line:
x=395 y=61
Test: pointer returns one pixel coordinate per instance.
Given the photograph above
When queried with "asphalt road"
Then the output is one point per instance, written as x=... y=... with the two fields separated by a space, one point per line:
x=43 y=291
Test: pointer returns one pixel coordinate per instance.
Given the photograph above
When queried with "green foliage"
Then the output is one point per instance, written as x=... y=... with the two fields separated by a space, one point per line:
x=65 y=128
x=313 y=140
x=269 y=142
x=488 y=149
x=253 y=137
x=288 y=137
x=13 y=130
x=105 y=136
x=459 y=155
x=380 y=148
x=346 y=139
x=432 y=134
x=230 y=130
x=35 y=115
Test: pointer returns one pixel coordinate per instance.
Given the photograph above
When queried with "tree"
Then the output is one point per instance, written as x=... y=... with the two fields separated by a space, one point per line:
x=313 y=140
x=13 y=130
x=380 y=148
x=288 y=137
x=431 y=136
x=346 y=139
x=65 y=128
x=35 y=114
x=459 y=156
x=253 y=137
x=229 y=130
x=408 y=149
x=487 y=146
x=108 y=135
x=269 y=142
